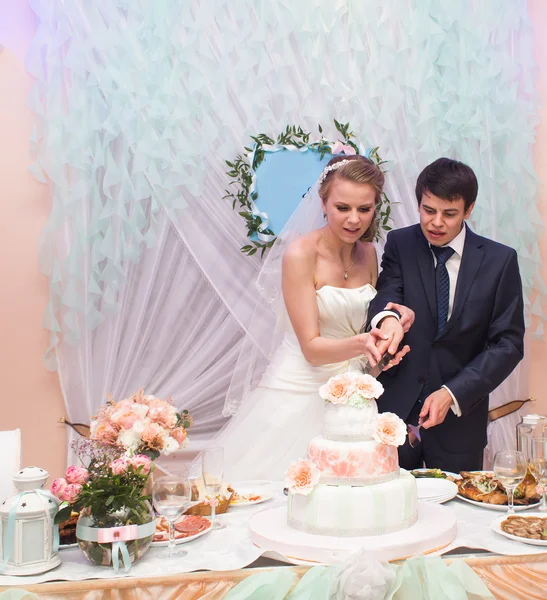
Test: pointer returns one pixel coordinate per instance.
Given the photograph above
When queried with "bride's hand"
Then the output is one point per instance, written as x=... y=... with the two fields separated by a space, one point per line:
x=407 y=314
x=397 y=358
x=371 y=341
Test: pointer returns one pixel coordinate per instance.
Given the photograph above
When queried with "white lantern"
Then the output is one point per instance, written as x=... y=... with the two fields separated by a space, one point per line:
x=29 y=542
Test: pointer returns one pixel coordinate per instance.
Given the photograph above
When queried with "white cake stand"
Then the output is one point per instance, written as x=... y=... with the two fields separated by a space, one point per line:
x=434 y=529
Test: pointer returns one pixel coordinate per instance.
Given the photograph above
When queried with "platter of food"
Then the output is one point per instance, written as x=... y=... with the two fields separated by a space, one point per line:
x=187 y=528
x=67 y=533
x=248 y=498
x=529 y=528
x=481 y=488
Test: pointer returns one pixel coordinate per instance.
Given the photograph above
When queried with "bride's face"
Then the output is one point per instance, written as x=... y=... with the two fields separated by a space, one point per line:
x=349 y=209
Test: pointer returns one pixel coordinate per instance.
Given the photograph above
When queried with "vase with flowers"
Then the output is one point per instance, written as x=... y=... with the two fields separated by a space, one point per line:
x=116 y=523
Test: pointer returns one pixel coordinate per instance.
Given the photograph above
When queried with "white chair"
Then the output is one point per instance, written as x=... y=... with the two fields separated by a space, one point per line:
x=10 y=461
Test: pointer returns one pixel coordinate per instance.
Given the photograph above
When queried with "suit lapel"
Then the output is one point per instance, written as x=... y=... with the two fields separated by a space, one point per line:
x=427 y=272
x=471 y=262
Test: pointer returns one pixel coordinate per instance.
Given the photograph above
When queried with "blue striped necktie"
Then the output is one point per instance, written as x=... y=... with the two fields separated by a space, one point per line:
x=442 y=281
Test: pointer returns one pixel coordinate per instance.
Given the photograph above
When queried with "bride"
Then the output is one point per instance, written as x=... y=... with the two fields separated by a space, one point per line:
x=327 y=278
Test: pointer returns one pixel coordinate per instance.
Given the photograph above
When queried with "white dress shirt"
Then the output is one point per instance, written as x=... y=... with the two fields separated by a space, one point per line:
x=453 y=268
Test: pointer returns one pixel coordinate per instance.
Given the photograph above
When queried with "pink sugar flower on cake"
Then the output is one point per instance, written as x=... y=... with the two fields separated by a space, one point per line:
x=389 y=429
x=302 y=476
x=367 y=386
x=338 y=389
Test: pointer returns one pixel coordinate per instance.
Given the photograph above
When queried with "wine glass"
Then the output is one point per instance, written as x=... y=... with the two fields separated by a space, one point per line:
x=510 y=469
x=171 y=496
x=538 y=466
x=212 y=462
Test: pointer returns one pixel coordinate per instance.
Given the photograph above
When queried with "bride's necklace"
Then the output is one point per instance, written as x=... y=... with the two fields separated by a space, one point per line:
x=346 y=271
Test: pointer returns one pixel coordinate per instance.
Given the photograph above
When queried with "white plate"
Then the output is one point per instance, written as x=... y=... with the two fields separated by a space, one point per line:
x=263 y=498
x=433 y=488
x=181 y=540
x=498 y=507
x=496 y=526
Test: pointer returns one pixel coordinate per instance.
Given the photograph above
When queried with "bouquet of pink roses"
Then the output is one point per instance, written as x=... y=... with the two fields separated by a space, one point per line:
x=109 y=480
x=141 y=425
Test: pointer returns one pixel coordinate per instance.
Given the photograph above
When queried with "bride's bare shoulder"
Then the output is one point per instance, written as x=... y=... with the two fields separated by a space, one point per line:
x=368 y=250
x=303 y=249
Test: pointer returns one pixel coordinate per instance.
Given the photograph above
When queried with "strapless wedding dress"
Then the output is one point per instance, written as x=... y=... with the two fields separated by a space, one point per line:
x=275 y=424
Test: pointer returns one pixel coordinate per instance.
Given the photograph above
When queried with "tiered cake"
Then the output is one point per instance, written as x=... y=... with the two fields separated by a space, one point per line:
x=350 y=483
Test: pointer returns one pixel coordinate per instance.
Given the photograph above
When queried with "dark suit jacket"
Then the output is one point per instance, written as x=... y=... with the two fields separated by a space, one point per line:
x=482 y=342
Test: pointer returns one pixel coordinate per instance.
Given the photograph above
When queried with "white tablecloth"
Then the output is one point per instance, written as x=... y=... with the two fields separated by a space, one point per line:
x=231 y=548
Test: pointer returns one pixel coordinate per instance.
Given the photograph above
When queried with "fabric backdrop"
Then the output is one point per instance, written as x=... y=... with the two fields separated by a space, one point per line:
x=138 y=105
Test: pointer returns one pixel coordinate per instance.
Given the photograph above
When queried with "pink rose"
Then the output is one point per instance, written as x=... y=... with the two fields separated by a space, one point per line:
x=163 y=413
x=119 y=466
x=58 y=488
x=76 y=475
x=104 y=432
x=152 y=436
x=389 y=429
x=337 y=389
x=124 y=405
x=301 y=477
x=125 y=418
x=141 y=460
x=179 y=434
x=367 y=386
x=71 y=492
x=338 y=148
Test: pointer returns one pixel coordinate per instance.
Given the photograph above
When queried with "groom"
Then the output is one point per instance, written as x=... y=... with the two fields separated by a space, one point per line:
x=468 y=332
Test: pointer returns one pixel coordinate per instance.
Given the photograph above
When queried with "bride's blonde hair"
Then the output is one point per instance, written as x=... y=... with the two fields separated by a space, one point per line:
x=360 y=170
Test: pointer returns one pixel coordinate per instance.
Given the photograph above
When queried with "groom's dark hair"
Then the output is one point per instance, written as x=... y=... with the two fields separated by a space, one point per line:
x=448 y=179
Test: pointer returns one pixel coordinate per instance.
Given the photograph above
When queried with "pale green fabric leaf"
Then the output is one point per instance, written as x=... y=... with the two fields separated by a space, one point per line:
x=271 y=585
x=430 y=578
x=18 y=594
x=314 y=585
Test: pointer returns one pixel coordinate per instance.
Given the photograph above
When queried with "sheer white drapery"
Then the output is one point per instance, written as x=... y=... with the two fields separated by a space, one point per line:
x=139 y=105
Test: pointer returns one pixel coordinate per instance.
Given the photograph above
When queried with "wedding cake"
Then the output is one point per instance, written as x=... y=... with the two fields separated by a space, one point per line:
x=350 y=483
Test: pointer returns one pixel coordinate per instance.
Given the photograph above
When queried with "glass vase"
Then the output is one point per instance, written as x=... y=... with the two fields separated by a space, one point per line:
x=101 y=553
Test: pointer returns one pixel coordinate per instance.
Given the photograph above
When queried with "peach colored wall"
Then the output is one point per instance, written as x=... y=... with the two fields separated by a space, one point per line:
x=31 y=398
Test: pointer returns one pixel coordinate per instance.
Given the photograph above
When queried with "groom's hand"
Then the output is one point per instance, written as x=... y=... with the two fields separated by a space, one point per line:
x=407 y=314
x=435 y=408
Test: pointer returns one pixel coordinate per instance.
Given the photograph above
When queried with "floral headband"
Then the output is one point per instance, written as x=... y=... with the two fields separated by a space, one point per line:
x=333 y=167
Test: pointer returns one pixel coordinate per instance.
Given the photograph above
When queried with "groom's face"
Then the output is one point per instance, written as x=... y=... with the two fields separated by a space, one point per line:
x=441 y=220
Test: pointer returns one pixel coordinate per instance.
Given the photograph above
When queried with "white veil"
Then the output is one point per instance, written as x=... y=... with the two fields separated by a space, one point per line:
x=269 y=319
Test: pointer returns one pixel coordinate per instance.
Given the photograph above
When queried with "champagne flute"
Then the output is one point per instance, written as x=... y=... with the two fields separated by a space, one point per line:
x=171 y=496
x=538 y=465
x=192 y=471
x=212 y=461
x=510 y=469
